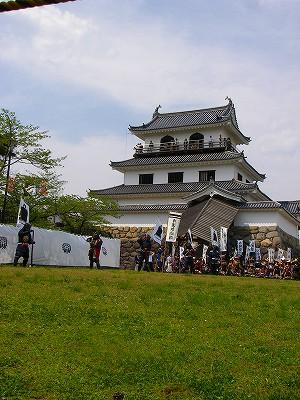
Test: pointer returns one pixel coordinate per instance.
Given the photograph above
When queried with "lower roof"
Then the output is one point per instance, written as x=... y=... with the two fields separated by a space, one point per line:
x=253 y=205
x=179 y=187
x=292 y=206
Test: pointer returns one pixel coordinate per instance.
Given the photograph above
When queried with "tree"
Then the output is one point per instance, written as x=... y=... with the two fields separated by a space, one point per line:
x=24 y=142
x=50 y=209
x=75 y=214
x=41 y=187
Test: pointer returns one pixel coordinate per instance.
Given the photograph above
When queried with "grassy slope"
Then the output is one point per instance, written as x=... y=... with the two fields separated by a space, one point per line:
x=80 y=334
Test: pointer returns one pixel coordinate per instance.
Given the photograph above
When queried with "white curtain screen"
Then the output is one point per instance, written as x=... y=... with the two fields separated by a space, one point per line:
x=57 y=248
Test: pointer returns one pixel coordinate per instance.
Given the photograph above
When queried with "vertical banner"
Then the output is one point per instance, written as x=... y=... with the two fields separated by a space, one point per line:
x=205 y=248
x=172 y=228
x=271 y=253
x=223 y=238
x=190 y=236
x=289 y=254
x=240 y=247
x=257 y=254
x=214 y=237
x=173 y=250
x=23 y=213
x=157 y=233
x=280 y=254
x=181 y=251
x=252 y=246
x=247 y=253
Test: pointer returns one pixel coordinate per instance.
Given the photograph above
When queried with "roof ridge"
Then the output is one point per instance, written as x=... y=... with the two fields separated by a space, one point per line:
x=289 y=201
x=193 y=110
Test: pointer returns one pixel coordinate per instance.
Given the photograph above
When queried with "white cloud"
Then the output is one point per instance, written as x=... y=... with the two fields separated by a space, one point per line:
x=87 y=163
x=145 y=63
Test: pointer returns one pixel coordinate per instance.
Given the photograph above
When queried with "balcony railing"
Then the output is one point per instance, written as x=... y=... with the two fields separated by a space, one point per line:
x=187 y=146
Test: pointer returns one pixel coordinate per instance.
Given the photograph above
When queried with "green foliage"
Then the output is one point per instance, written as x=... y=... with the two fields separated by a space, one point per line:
x=41 y=187
x=78 y=215
x=73 y=333
x=25 y=142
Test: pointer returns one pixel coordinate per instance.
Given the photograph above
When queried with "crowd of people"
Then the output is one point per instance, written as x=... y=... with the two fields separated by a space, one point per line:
x=184 y=259
x=181 y=258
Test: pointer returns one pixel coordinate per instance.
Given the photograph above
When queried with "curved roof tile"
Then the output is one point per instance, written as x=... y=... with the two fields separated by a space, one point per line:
x=205 y=116
x=174 y=159
x=234 y=186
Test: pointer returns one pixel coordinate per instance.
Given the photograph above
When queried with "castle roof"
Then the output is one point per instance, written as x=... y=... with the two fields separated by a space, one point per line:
x=179 y=187
x=192 y=118
x=176 y=159
x=254 y=205
x=292 y=206
x=261 y=205
x=188 y=158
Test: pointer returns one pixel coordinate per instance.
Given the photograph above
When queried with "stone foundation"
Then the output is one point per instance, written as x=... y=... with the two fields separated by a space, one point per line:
x=264 y=236
x=129 y=245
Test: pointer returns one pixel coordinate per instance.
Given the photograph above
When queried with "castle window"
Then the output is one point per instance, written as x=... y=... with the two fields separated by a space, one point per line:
x=207 y=175
x=240 y=177
x=145 y=179
x=174 y=177
x=166 y=143
x=196 y=141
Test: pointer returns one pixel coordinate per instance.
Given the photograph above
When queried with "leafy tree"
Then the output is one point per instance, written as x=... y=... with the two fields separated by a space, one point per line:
x=49 y=209
x=35 y=189
x=41 y=187
x=75 y=214
x=23 y=144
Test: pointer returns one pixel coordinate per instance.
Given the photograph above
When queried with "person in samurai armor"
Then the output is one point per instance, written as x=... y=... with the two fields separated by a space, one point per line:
x=24 y=240
x=95 y=248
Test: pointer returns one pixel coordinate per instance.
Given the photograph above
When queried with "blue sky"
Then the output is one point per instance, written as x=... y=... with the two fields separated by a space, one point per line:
x=87 y=69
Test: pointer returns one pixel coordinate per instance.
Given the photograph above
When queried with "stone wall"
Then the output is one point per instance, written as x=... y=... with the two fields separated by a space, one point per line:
x=129 y=245
x=265 y=237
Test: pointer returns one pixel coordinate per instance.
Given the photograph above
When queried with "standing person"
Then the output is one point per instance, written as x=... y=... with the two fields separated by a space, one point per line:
x=159 y=259
x=169 y=264
x=95 y=248
x=24 y=240
x=150 y=261
x=189 y=254
x=145 y=248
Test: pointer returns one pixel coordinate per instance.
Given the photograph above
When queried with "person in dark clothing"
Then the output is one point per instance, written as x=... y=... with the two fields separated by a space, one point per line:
x=145 y=248
x=94 y=251
x=24 y=240
x=213 y=258
x=24 y=213
x=189 y=254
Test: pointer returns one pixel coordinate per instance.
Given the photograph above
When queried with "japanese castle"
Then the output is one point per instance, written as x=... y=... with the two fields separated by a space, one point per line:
x=190 y=162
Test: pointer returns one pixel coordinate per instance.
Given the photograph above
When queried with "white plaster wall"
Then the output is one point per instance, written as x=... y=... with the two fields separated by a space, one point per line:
x=266 y=218
x=245 y=175
x=191 y=174
x=140 y=219
x=152 y=200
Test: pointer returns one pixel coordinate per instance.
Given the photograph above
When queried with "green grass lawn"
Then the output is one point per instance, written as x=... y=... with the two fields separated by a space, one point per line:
x=81 y=334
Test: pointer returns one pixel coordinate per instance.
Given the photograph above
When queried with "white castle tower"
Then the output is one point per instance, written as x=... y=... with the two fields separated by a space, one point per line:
x=193 y=158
